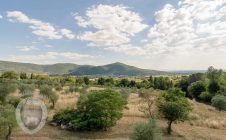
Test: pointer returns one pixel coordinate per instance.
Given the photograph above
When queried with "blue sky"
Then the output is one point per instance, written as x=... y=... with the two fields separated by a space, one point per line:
x=153 y=34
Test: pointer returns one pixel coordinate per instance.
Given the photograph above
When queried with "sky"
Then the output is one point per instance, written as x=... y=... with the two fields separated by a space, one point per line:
x=150 y=34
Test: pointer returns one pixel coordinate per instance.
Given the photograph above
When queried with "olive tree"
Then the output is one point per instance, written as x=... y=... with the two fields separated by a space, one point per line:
x=7 y=120
x=47 y=92
x=174 y=107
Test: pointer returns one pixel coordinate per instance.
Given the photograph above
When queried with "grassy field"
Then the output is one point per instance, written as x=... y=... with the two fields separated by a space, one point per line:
x=205 y=123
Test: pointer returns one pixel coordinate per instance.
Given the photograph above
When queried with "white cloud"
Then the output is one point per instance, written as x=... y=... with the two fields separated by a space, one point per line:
x=114 y=24
x=128 y=50
x=193 y=32
x=67 y=33
x=26 y=48
x=1 y=17
x=40 y=28
x=51 y=57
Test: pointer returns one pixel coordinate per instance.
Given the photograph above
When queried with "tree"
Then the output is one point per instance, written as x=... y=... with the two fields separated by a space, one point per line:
x=172 y=112
x=151 y=81
x=101 y=81
x=86 y=80
x=195 y=77
x=196 y=88
x=23 y=75
x=183 y=83
x=47 y=92
x=146 y=131
x=5 y=90
x=219 y=102
x=175 y=107
x=109 y=81
x=9 y=75
x=26 y=89
x=98 y=110
x=124 y=82
x=213 y=87
x=163 y=83
x=132 y=83
x=7 y=120
x=148 y=103
x=214 y=74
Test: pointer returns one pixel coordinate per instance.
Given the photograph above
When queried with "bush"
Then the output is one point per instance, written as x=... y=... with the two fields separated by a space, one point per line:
x=219 y=102
x=14 y=101
x=196 y=88
x=206 y=97
x=64 y=116
x=146 y=131
x=98 y=110
x=5 y=90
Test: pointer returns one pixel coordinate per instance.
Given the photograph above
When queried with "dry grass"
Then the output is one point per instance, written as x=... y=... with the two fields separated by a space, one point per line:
x=205 y=123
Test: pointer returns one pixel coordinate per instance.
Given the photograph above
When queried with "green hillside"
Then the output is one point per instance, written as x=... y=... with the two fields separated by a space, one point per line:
x=115 y=69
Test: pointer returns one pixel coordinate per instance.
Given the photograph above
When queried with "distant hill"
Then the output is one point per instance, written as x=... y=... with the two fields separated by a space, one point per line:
x=115 y=69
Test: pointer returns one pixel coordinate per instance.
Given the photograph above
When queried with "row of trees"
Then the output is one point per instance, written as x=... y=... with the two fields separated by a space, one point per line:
x=208 y=87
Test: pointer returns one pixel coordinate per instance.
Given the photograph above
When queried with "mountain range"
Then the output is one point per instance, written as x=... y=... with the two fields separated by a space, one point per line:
x=114 y=69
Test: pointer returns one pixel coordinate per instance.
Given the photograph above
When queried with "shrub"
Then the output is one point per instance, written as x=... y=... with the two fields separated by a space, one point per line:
x=98 y=110
x=196 y=88
x=206 y=97
x=5 y=90
x=146 y=131
x=213 y=87
x=14 y=101
x=64 y=116
x=219 y=102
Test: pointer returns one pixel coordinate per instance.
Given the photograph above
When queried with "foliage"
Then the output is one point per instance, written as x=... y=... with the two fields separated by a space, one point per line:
x=148 y=103
x=219 y=102
x=86 y=80
x=9 y=75
x=47 y=92
x=206 y=97
x=163 y=83
x=183 y=84
x=101 y=81
x=26 y=89
x=64 y=116
x=23 y=75
x=98 y=110
x=196 y=88
x=213 y=87
x=124 y=82
x=146 y=131
x=214 y=74
x=175 y=107
x=7 y=120
x=13 y=100
x=5 y=90
x=195 y=77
